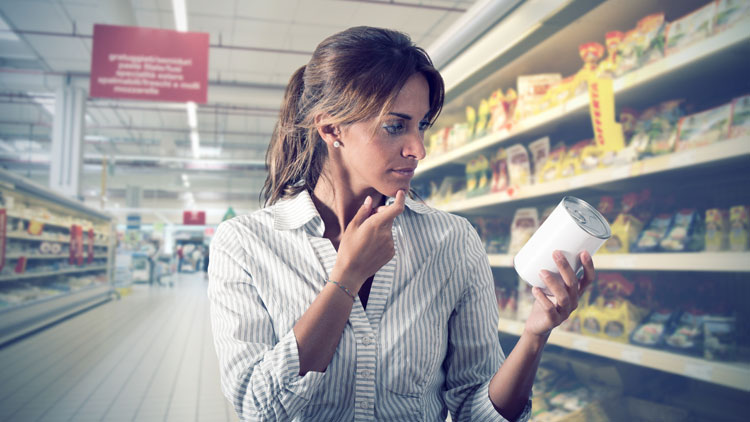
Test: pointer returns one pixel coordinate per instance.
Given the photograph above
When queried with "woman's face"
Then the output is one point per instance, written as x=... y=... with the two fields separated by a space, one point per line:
x=383 y=154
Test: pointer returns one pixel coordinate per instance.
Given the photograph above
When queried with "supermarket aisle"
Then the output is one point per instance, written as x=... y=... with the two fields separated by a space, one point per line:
x=146 y=357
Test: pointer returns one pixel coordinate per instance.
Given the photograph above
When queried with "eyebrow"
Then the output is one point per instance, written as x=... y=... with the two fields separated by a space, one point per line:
x=406 y=116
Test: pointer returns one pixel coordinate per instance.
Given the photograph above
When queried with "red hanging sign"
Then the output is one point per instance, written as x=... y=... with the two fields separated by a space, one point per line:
x=76 y=245
x=149 y=64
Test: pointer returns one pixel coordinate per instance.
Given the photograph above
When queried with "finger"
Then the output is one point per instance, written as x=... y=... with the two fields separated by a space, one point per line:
x=543 y=300
x=557 y=287
x=566 y=272
x=363 y=212
x=390 y=212
x=589 y=273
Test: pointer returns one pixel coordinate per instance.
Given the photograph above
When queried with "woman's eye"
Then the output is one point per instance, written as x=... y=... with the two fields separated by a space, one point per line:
x=394 y=128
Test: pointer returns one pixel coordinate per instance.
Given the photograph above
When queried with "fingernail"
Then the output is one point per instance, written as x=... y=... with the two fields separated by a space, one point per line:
x=558 y=256
x=368 y=200
x=544 y=274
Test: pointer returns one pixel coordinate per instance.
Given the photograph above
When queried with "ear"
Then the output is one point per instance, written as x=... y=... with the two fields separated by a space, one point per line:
x=328 y=132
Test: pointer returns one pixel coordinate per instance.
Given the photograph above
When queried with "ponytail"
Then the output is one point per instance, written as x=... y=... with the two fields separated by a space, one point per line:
x=295 y=156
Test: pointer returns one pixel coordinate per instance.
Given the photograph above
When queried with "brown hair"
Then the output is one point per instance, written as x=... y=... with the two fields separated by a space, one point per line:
x=353 y=75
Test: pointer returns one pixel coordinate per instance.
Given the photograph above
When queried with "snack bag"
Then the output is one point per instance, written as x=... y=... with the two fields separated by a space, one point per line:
x=499 y=117
x=717 y=230
x=663 y=131
x=591 y=158
x=471 y=122
x=525 y=222
x=740 y=117
x=651 y=331
x=483 y=118
x=731 y=12
x=551 y=168
x=519 y=169
x=571 y=165
x=649 y=239
x=495 y=234
x=608 y=67
x=650 y=39
x=687 y=336
x=539 y=153
x=606 y=208
x=590 y=53
x=499 y=166
x=739 y=226
x=484 y=175
x=685 y=234
x=531 y=90
x=704 y=128
x=719 y=337
x=628 y=53
x=625 y=231
x=690 y=28
x=472 y=177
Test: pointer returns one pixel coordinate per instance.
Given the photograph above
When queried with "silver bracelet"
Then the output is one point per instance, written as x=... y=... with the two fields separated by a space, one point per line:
x=344 y=289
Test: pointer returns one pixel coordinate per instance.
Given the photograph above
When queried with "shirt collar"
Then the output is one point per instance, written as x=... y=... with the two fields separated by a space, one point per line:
x=299 y=211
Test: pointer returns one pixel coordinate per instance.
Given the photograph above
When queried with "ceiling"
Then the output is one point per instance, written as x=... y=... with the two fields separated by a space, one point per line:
x=255 y=47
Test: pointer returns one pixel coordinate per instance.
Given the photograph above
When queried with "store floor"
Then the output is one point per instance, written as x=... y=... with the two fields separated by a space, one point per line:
x=146 y=357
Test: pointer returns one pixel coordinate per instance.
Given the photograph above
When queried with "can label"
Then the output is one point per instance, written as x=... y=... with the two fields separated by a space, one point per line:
x=573 y=227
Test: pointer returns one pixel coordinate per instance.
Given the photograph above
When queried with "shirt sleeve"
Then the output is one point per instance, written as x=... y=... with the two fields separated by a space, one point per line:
x=259 y=372
x=474 y=352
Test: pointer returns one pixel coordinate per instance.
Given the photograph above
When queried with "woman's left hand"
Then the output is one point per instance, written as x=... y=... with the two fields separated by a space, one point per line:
x=549 y=312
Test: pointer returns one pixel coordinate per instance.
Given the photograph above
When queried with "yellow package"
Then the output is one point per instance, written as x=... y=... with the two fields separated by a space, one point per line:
x=625 y=231
x=739 y=224
x=483 y=118
x=571 y=165
x=552 y=167
x=611 y=320
x=717 y=230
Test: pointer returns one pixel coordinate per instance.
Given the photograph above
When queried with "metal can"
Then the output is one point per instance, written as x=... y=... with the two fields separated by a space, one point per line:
x=573 y=227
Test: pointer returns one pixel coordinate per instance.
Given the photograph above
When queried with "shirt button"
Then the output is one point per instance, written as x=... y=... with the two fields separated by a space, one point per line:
x=366 y=373
x=367 y=341
x=365 y=404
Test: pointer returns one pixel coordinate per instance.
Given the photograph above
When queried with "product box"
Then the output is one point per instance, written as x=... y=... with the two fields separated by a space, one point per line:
x=739 y=226
x=740 y=117
x=704 y=128
x=730 y=13
x=519 y=168
x=499 y=166
x=539 y=153
x=717 y=230
x=690 y=28
x=531 y=90
x=525 y=222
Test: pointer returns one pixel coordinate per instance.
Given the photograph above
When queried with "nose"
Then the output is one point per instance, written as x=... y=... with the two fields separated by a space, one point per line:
x=414 y=146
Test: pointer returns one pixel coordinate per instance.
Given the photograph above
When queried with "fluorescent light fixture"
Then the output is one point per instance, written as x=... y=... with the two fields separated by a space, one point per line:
x=180 y=15
x=186 y=184
x=192 y=113
x=195 y=143
x=184 y=177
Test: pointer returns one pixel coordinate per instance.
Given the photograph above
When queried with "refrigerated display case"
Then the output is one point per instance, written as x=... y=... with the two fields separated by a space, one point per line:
x=689 y=61
x=55 y=256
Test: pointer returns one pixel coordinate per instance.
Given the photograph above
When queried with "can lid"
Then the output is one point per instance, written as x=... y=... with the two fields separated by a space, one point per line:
x=587 y=217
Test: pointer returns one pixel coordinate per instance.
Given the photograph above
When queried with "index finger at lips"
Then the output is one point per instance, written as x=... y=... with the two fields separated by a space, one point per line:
x=566 y=272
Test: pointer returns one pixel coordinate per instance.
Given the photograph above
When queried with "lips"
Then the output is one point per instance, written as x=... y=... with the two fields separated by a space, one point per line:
x=406 y=171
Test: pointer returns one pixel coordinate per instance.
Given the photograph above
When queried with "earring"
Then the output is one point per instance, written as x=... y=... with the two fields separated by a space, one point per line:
x=336 y=144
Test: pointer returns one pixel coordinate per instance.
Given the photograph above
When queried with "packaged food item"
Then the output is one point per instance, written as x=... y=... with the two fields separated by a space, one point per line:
x=590 y=53
x=687 y=336
x=519 y=169
x=525 y=223
x=740 y=117
x=650 y=38
x=717 y=230
x=471 y=121
x=686 y=233
x=655 y=132
x=459 y=135
x=719 y=337
x=608 y=67
x=612 y=316
x=652 y=329
x=499 y=115
x=483 y=118
x=531 y=90
x=625 y=230
x=573 y=226
x=571 y=165
x=539 y=153
x=553 y=166
x=704 y=128
x=478 y=176
x=495 y=234
x=628 y=53
x=499 y=166
x=606 y=207
x=739 y=227
x=690 y=28
x=731 y=12
x=649 y=239
x=591 y=158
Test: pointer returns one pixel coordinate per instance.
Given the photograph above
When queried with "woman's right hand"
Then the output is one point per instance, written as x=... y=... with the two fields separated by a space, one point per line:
x=367 y=243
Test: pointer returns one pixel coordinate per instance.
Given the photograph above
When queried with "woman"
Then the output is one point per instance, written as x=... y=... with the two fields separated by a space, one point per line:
x=318 y=313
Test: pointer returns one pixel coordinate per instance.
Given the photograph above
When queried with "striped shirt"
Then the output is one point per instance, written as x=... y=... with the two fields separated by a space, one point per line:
x=427 y=343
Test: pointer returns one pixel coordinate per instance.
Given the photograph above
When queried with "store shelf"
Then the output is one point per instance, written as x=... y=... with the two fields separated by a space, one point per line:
x=46 y=223
x=695 y=261
x=36 y=238
x=38 y=257
x=701 y=52
x=727 y=374
x=713 y=154
x=52 y=273
x=18 y=320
